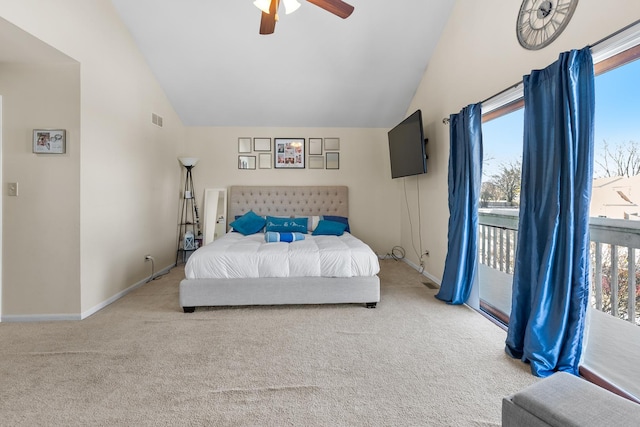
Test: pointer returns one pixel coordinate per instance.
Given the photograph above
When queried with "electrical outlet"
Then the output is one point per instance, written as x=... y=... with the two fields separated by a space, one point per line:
x=13 y=189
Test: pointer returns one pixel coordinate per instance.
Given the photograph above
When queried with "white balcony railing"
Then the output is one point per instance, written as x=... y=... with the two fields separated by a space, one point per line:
x=615 y=254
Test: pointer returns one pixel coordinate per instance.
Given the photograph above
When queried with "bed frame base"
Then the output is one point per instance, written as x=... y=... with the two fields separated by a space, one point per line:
x=193 y=309
x=279 y=291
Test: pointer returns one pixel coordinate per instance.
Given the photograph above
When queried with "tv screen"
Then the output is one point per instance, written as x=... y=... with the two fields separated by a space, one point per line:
x=407 y=147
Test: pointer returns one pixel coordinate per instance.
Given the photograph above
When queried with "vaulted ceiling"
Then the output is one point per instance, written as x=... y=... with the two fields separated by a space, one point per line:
x=316 y=70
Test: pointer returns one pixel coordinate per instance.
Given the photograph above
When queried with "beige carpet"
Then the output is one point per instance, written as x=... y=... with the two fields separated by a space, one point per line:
x=413 y=361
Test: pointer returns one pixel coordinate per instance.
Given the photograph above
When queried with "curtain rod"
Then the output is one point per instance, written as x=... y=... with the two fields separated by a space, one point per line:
x=591 y=46
x=513 y=86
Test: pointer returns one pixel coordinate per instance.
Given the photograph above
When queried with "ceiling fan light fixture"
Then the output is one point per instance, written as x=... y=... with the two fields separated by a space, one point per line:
x=290 y=6
x=263 y=5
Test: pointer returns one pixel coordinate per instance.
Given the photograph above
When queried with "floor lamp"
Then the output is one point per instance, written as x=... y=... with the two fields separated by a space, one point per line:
x=189 y=233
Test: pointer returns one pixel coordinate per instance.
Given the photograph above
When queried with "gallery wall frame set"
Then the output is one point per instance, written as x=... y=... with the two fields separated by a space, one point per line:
x=288 y=153
x=49 y=141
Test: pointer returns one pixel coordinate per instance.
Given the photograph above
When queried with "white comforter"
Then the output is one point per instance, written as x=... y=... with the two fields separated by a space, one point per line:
x=238 y=256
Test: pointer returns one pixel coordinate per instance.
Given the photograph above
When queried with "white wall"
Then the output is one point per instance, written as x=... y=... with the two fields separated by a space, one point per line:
x=127 y=178
x=41 y=227
x=478 y=56
x=374 y=199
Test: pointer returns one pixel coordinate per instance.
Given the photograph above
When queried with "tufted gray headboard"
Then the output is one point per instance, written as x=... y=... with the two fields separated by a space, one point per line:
x=289 y=200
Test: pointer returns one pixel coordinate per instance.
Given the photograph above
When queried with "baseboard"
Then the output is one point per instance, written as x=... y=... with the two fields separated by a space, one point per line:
x=119 y=295
x=23 y=318
x=426 y=274
x=75 y=316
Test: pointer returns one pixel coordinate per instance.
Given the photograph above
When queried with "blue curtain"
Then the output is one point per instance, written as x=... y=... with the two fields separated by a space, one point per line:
x=551 y=276
x=465 y=175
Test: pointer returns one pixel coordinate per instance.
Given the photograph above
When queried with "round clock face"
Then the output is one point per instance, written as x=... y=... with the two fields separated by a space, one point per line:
x=541 y=21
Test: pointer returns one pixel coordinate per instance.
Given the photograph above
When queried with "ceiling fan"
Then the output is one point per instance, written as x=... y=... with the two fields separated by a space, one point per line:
x=270 y=11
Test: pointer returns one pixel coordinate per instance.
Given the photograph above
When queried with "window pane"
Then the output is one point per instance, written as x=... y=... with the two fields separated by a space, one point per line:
x=498 y=215
x=615 y=200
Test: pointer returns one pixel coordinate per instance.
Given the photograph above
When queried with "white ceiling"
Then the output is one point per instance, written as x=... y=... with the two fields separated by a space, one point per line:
x=316 y=70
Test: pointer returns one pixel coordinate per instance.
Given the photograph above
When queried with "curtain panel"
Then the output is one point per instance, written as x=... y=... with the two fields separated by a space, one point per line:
x=551 y=276
x=465 y=176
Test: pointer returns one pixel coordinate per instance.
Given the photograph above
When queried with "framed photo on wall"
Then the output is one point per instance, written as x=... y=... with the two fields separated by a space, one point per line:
x=331 y=144
x=264 y=160
x=316 y=162
x=289 y=153
x=49 y=141
x=261 y=144
x=333 y=160
x=246 y=162
x=315 y=146
x=244 y=145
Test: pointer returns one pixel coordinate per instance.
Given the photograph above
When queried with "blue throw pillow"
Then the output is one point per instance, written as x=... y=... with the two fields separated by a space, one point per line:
x=249 y=223
x=274 y=236
x=290 y=225
x=341 y=219
x=329 y=228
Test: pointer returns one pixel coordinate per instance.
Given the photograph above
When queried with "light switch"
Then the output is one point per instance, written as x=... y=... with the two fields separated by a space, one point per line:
x=13 y=188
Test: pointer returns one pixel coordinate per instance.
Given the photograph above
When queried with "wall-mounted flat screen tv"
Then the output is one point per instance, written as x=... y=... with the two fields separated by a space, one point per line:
x=407 y=147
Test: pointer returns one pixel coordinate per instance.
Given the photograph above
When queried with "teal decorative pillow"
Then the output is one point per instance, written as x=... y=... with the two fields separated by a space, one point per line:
x=329 y=228
x=274 y=236
x=249 y=223
x=290 y=225
x=336 y=218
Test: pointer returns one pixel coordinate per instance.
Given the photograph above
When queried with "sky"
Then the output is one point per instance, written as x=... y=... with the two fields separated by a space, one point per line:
x=617 y=120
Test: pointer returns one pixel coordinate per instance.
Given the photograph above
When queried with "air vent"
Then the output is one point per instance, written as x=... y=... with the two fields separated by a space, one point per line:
x=156 y=119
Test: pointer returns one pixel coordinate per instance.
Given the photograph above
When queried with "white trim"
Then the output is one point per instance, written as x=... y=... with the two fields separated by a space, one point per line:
x=625 y=39
x=23 y=318
x=119 y=295
x=505 y=97
x=429 y=276
x=91 y=311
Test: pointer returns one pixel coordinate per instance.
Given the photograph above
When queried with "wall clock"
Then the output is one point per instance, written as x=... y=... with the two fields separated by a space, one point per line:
x=540 y=22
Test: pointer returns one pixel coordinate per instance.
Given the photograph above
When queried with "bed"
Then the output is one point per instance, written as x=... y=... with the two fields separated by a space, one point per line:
x=348 y=274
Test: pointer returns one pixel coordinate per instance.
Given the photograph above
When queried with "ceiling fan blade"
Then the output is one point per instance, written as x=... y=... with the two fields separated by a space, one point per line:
x=337 y=7
x=268 y=20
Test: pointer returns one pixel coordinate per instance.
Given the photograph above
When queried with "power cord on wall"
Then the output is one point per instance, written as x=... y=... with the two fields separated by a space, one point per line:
x=419 y=254
x=153 y=268
x=397 y=253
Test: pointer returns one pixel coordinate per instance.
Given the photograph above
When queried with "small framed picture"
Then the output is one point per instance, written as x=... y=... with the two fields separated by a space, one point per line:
x=333 y=160
x=264 y=160
x=244 y=145
x=289 y=153
x=315 y=147
x=331 y=144
x=49 y=141
x=261 y=144
x=316 y=162
x=246 y=162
